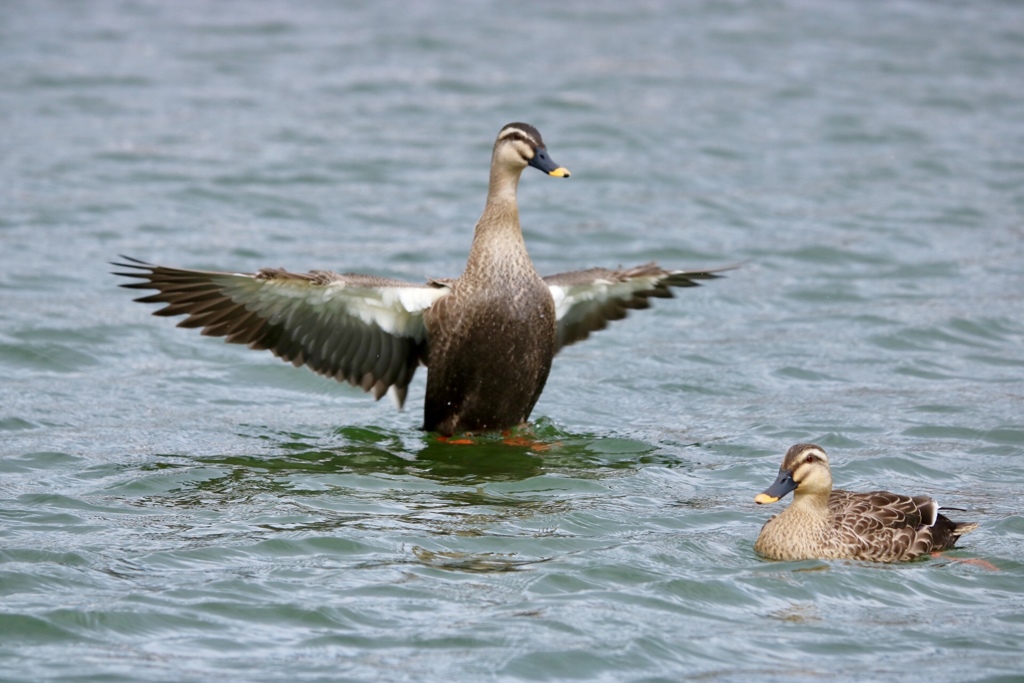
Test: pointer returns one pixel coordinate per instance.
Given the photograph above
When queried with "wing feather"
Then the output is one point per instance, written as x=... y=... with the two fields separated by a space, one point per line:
x=883 y=526
x=587 y=300
x=362 y=329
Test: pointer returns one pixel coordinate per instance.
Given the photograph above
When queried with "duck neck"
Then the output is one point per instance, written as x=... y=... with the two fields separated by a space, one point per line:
x=813 y=506
x=498 y=239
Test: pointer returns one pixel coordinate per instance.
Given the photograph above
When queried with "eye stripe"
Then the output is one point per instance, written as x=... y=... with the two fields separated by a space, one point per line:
x=521 y=131
x=517 y=136
x=803 y=456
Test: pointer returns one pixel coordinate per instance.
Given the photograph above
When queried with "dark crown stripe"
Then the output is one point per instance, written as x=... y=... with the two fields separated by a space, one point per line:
x=523 y=132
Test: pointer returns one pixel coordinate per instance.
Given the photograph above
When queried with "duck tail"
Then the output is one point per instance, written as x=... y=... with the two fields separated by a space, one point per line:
x=961 y=528
x=946 y=532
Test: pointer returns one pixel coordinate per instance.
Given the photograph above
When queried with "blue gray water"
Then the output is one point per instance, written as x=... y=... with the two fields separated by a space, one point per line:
x=173 y=508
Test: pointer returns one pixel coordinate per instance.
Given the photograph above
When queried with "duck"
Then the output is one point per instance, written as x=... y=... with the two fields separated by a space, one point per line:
x=826 y=523
x=486 y=337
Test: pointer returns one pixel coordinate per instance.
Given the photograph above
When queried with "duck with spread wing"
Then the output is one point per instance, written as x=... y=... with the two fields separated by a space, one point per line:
x=487 y=337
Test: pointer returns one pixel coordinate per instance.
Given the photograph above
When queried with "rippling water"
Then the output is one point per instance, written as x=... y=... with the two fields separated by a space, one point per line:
x=176 y=509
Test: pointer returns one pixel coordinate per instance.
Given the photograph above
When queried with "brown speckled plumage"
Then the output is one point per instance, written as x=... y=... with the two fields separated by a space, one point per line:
x=499 y=309
x=488 y=337
x=823 y=523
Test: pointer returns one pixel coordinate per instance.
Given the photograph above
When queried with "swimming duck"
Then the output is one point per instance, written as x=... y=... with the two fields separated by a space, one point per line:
x=487 y=337
x=833 y=524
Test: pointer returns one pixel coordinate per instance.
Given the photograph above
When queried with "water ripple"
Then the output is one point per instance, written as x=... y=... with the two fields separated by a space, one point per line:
x=177 y=509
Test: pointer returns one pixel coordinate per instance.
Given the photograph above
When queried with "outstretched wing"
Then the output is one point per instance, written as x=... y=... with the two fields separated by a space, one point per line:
x=364 y=330
x=585 y=300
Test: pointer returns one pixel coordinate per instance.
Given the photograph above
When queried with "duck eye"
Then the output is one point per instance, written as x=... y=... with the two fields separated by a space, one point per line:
x=809 y=458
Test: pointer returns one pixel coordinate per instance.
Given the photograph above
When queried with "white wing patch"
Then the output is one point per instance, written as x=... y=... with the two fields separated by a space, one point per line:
x=587 y=300
x=395 y=310
x=597 y=292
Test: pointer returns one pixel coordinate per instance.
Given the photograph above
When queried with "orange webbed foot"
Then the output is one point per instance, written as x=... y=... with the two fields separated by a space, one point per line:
x=459 y=441
x=977 y=562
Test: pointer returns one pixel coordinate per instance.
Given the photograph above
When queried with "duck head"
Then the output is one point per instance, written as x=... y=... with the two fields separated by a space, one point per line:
x=804 y=470
x=520 y=145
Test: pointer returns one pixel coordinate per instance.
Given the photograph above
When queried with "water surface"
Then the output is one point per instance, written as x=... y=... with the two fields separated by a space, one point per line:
x=173 y=508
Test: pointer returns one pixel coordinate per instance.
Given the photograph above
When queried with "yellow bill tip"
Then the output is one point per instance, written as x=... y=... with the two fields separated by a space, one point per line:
x=560 y=172
x=763 y=498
